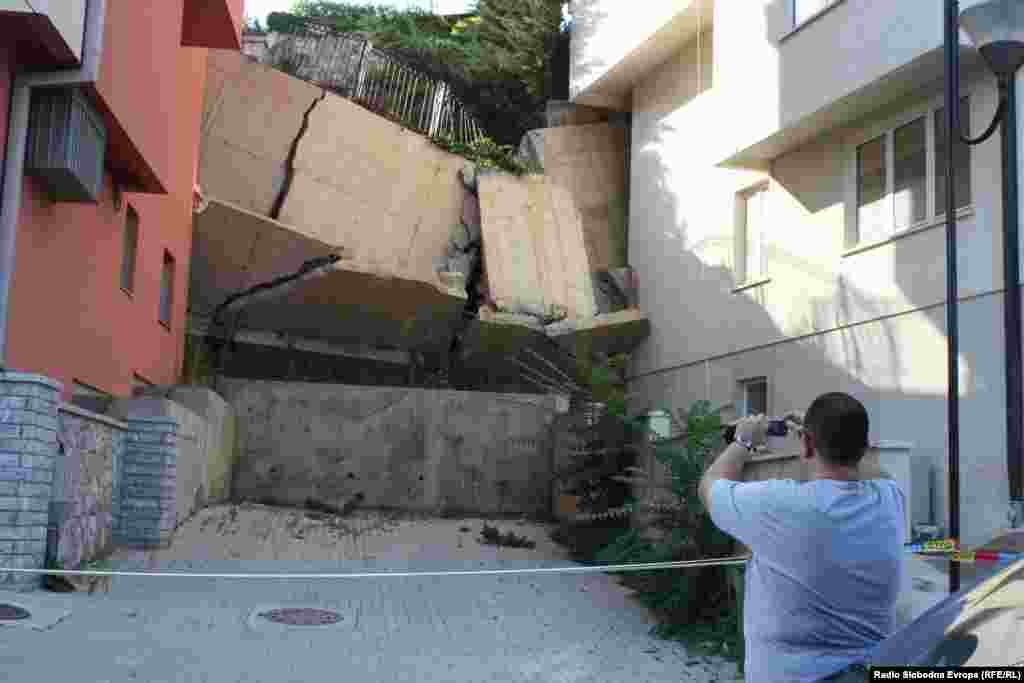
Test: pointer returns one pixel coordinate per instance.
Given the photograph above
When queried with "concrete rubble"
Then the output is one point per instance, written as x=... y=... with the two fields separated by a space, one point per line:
x=291 y=173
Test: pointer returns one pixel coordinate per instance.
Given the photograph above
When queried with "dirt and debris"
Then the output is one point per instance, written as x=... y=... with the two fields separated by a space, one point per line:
x=492 y=536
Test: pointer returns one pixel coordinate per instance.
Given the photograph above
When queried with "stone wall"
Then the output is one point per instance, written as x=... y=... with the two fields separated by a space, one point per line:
x=202 y=450
x=83 y=511
x=148 y=504
x=28 y=447
x=414 y=449
x=73 y=482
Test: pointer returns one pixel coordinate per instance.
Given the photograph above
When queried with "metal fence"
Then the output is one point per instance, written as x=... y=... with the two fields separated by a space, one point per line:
x=350 y=66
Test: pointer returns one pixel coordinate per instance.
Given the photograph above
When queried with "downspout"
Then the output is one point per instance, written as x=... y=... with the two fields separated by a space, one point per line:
x=17 y=139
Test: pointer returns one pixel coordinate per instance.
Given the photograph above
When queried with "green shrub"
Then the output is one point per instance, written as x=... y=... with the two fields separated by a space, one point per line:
x=486 y=153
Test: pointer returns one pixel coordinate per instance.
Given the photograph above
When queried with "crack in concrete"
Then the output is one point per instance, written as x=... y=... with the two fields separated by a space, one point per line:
x=289 y=172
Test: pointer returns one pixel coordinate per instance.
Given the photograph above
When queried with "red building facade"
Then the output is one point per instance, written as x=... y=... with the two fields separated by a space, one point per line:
x=98 y=289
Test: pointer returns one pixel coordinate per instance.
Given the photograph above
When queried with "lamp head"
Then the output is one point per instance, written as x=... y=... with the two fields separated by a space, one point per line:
x=996 y=27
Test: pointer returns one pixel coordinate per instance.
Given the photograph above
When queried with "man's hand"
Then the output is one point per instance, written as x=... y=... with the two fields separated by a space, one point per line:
x=730 y=463
x=752 y=430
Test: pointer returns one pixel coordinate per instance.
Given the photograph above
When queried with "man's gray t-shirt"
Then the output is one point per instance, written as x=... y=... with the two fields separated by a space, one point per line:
x=825 y=571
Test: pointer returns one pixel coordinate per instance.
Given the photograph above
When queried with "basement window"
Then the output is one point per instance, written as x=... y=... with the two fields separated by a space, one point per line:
x=167 y=290
x=754 y=396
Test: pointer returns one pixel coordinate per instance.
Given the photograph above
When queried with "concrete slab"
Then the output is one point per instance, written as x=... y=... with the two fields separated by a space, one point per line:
x=234 y=249
x=611 y=333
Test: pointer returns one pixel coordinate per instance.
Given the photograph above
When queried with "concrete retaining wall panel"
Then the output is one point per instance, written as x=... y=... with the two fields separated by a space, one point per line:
x=414 y=449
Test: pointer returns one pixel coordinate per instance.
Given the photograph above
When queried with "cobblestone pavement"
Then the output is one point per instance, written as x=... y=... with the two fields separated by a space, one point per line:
x=535 y=628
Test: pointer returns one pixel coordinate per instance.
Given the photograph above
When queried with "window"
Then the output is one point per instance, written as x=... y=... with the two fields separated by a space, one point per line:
x=901 y=176
x=167 y=289
x=129 y=248
x=961 y=162
x=754 y=396
x=659 y=425
x=750 y=253
x=807 y=9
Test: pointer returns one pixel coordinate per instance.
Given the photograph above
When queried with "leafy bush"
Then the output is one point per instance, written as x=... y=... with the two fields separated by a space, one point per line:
x=698 y=605
x=487 y=154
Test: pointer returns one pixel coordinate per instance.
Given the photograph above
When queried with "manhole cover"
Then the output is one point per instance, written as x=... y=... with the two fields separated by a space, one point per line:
x=13 y=613
x=302 y=616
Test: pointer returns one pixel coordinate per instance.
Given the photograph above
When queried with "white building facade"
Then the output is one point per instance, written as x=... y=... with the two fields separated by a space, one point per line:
x=786 y=217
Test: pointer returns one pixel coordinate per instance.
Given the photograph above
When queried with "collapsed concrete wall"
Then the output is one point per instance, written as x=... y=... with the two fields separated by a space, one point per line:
x=280 y=147
x=412 y=449
x=545 y=236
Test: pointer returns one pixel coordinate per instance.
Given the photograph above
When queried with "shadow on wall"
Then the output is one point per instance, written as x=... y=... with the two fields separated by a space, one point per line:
x=687 y=296
x=904 y=356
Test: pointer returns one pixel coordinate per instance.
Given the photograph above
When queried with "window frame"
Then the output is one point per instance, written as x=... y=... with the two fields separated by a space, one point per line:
x=744 y=395
x=886 y=129
x=795 y=23
x=167 y=286
x=128 y=214
x=741 y=236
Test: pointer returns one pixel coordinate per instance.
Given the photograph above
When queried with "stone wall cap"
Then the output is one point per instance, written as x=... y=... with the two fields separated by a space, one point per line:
x=29 y=378
x=151 y=420
x=892 y=446
x=91 y=416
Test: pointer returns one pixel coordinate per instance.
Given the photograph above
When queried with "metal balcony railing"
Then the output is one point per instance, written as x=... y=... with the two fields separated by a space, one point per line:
x=349 y=65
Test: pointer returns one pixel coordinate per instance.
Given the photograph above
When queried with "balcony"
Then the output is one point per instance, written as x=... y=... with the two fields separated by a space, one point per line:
x=859 y=56
x=46 y=34
x=615 y=44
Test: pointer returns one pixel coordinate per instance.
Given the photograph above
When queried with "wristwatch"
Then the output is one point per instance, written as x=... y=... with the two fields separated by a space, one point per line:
x=749 y=445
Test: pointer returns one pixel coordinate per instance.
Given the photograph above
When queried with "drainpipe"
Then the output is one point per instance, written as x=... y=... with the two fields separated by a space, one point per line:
x=17 y=139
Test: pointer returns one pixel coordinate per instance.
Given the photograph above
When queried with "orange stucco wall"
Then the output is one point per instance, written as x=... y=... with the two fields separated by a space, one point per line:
x=69 y=318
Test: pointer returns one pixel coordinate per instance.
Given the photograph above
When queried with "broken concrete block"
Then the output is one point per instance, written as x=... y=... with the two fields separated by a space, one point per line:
x=468 y=175
x=544 y=313
x=453 y=280
x=462 y=263
x=615 y=290
x=471 y=216
x=531 y=149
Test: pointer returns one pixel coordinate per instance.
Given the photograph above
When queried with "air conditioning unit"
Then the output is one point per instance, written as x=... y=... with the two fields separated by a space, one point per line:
x=913 y=475
x=67 y=141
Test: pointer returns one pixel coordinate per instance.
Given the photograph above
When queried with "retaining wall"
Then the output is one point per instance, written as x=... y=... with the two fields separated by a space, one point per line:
x=413 y=449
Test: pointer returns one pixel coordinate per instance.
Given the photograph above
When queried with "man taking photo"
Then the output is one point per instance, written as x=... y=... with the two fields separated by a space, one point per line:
x=825 y=571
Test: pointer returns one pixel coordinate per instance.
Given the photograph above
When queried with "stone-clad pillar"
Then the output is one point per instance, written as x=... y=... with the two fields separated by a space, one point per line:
x=28 y=451
x=146 y=508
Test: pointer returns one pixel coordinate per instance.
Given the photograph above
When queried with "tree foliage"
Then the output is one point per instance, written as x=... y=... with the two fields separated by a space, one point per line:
x=498 y=60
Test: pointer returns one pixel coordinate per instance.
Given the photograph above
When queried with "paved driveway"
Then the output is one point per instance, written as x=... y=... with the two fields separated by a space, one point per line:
x=543 y=628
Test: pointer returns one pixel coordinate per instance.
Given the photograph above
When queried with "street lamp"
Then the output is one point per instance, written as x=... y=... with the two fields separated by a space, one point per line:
x=996 y=27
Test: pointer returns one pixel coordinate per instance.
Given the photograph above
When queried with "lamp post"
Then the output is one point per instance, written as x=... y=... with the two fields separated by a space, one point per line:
x=996 y=27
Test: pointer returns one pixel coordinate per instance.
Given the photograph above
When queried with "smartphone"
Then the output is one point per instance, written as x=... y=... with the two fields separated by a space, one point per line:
x=775 y=428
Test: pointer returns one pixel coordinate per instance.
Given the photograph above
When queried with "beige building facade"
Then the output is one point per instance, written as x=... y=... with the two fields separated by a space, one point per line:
x=786 y=217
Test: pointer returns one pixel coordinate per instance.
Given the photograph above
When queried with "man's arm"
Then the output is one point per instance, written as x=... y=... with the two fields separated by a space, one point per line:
x=730 y=462
x=729 y=465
